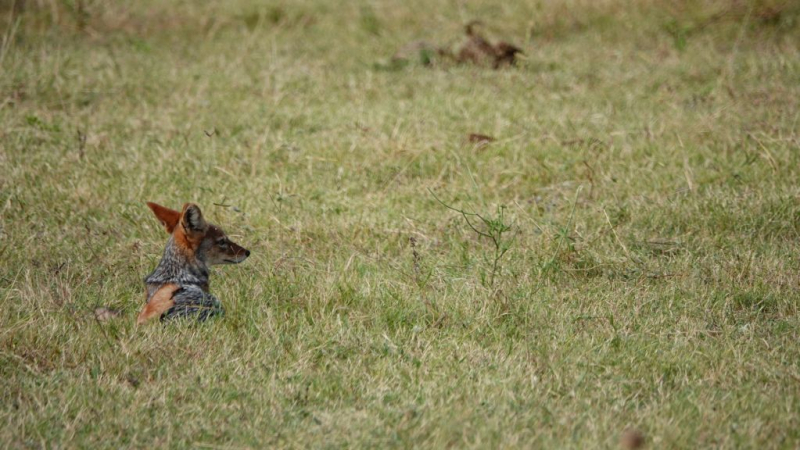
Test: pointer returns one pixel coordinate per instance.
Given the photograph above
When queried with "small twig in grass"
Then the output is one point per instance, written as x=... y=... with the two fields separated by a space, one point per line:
x=81 y=143
x=439 y=321
x=464 y=214
x=413 y=242
x=495 y=227
x=421 y=284
x=590 y=177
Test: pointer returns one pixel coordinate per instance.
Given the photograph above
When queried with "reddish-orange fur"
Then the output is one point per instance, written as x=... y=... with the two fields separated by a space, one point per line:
x=184 y=242
x=158 y=304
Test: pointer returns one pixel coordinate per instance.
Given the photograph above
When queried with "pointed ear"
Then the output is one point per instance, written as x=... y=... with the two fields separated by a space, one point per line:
x=168 y=217
x=192 y=219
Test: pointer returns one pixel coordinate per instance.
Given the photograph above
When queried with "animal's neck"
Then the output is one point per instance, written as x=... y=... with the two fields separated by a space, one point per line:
x=178 y=267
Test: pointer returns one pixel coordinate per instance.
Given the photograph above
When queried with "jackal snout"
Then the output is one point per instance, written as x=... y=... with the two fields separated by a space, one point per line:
x=222 y=250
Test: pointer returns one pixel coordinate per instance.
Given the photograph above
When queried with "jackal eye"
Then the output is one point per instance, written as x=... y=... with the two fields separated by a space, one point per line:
x=222 y=243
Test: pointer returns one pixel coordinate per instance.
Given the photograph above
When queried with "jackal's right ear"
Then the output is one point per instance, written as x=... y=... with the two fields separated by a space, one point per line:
x=168 y=217
x=192 y=219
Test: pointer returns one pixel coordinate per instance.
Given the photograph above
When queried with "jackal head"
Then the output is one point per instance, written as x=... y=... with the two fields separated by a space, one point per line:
x=198 y=238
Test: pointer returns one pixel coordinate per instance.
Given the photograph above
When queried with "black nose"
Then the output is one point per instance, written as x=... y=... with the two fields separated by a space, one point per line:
x=247 y=253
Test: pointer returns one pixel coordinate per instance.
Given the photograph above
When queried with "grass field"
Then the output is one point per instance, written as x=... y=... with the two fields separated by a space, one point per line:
x=644 y=176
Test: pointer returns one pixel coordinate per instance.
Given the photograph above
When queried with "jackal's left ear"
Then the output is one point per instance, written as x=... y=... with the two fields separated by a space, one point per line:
x=168 y=217
x=192 y=219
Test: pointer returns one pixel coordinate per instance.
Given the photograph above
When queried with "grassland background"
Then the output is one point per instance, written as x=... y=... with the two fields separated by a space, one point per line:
x=646 y=156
